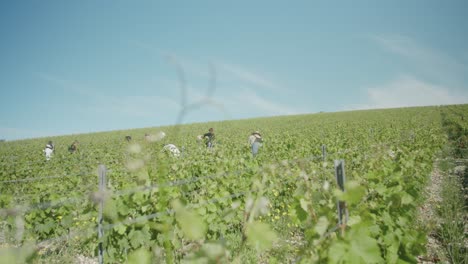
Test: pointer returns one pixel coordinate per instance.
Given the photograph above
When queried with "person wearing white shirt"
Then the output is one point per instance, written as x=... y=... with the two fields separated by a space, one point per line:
x=49 y=150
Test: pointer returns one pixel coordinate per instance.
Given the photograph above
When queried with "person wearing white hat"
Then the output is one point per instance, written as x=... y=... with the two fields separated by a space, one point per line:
x=255 y=142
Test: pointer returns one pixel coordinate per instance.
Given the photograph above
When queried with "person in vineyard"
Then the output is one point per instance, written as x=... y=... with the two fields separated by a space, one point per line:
x=49 y=150
x=255 y=142
x=74 y=146
x=172 y=149
x=209 y=138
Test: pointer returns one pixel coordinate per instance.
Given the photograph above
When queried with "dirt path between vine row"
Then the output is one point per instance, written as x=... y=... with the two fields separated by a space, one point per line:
x=427 y=216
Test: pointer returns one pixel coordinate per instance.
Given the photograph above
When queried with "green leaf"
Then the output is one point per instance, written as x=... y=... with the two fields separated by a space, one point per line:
x=124 y=244
x=17 y=255
x=122 y=208
x=213 y=251
x=212 y=207
x=110 y=209
x=139 y=198
x=299 y=212
x=142 y=176
x=201 y=211
x=392 y=253
x=120 y=229
x=304 y=205
x=260 y=235
x=367 y=248
x=136 y=238
x=354 y=219
x=337 y=252
x=145 y=208
x=406 y=198
x=353 y=192
x=191 y=224
x=67 y=220
x=140 y=256
x=322 y=225
x=381 y=189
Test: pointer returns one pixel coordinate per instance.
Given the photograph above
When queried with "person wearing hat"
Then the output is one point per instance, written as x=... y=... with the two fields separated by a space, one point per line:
x=255 y=142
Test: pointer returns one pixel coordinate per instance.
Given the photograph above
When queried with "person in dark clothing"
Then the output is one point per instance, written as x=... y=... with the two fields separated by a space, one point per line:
x=73 y=147
x=209 y=138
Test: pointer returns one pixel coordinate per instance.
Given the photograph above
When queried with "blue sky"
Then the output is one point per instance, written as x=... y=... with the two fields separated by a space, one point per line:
x=70 y=67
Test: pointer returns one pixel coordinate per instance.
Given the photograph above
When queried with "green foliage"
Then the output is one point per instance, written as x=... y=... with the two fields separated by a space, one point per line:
x=140 y=256
x=191 y=224
x=260 y=235
x=183 y=209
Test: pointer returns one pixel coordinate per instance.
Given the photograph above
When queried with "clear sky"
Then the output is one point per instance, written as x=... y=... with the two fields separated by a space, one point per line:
x=70 y=67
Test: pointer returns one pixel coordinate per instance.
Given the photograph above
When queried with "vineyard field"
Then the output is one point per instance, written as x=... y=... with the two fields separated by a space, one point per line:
x=221 y=204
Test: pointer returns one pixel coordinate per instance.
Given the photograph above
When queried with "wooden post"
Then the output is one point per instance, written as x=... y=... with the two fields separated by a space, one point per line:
x=102 y=187
x=341 y=205
x=324 y=152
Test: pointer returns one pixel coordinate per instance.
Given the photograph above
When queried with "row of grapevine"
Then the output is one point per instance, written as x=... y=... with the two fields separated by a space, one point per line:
x=455 y=121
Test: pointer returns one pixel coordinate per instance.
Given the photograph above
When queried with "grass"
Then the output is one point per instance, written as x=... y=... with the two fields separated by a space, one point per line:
x=453 y=215
x=452 y=229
